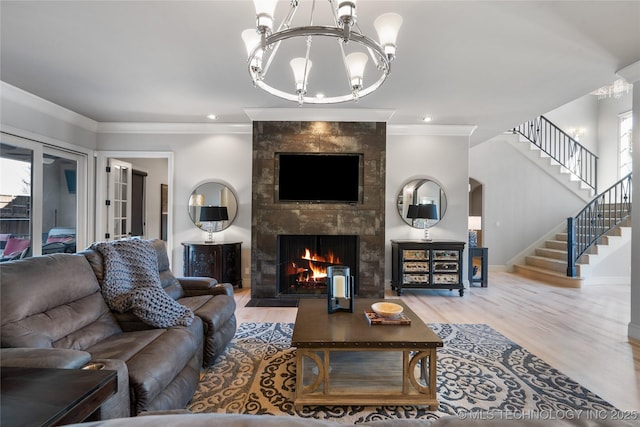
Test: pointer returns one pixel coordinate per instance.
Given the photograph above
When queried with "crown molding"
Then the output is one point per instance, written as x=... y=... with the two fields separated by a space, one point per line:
x=318 y=114
x=431 y=130
x=247 y=128
x=22 y=97
x=631 y=73
x=176 y=128
x=29 y=100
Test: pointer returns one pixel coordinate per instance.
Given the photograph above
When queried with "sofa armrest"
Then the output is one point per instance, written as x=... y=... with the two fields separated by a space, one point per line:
x=195 y=286
x=43 y=358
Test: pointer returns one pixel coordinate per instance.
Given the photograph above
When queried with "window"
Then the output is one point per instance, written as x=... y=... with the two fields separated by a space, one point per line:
x=42 y=198
x=626 y=144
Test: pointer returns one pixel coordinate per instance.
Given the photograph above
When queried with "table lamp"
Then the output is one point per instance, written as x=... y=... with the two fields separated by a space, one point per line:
x=210 y=217
x=427 y=211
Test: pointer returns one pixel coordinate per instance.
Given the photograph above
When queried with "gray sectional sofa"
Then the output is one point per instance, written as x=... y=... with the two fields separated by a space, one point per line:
x=53 y=313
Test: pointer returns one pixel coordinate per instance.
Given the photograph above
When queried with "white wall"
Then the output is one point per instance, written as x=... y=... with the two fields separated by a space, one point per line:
x=598 y=120
x=521 y=203
x=579 y=116
x=198 y=158
x=36 y=116
x=443 y=159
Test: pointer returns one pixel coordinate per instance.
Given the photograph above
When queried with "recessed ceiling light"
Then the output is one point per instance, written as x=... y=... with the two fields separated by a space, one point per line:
x=320 y=95
x=212 y=117
x=426 y=119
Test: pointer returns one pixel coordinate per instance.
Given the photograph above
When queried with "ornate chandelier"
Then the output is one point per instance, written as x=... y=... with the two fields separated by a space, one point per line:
x=353 y=47
x=615 y=90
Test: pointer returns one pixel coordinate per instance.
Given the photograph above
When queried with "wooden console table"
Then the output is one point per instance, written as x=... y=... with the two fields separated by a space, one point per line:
x=219 y=260
x=420 y=264
x=50 y=397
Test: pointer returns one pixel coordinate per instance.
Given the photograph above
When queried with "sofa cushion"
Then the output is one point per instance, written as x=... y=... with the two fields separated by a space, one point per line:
x=154 y=357
x=53 y=301
x=218 y=317
x=170 y=284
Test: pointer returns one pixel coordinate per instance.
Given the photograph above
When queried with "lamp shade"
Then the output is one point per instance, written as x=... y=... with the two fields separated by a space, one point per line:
x=412 y=212
x=251 y=39
x=356 y=62
x=213 y=213
x=475 y=223
x=429 y=211
x=301 y=68
x=266 y=7
x=387 y=26
x=196 y=200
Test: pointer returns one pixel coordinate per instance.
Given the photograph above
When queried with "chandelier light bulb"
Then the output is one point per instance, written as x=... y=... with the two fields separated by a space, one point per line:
x=252 y=40
x=347 y=12
x=264 y=14
x=356 y=62
x=387 y=27
x=301 y=68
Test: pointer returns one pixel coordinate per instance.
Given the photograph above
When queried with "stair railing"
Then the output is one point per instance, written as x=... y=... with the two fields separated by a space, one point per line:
x=603 y=213
x=561 y=147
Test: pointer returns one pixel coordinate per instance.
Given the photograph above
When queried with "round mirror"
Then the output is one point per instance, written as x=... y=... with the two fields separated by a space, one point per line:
x=212 y=206
x=422 y=203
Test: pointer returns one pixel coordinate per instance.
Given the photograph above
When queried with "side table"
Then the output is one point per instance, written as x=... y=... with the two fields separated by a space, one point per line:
x=219 y=260
x=50 y=397
x=483 y=269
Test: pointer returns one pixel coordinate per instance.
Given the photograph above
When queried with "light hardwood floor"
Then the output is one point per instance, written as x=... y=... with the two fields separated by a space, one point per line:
x=580 y=332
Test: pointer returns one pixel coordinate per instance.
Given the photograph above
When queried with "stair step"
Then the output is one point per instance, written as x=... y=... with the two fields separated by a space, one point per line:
x=552 y=253
x=548 y=276
x=556 y=244
x=552 y=264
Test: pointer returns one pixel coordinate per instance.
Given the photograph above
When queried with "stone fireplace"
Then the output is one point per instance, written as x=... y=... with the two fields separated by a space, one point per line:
x=270 y=219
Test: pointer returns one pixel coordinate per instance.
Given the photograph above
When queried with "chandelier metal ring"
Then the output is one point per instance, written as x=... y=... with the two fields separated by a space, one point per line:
x=383 y=63
x=264 y=42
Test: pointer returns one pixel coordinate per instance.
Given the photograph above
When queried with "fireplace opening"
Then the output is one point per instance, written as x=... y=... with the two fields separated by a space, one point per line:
x=303 y=261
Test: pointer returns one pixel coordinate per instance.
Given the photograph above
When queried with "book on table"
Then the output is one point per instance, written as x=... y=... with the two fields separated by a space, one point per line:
x=374 y=319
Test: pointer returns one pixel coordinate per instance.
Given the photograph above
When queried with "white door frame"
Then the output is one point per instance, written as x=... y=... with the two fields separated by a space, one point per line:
x=101 y=186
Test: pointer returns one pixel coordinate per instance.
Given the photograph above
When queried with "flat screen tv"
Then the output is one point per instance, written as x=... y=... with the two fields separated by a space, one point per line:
x=319 y=177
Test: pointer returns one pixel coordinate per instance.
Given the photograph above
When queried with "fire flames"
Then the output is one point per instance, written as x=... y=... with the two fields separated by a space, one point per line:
x=317 y=266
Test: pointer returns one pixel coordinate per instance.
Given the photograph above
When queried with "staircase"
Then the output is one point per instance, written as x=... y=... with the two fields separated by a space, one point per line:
x=603 y=225
x=548 y=263
x=551 y=166
x=560 y=155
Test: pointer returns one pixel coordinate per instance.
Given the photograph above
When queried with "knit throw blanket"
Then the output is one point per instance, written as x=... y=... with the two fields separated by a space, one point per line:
x=132 y=283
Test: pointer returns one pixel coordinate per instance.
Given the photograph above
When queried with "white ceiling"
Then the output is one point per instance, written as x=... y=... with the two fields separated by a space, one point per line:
x=492 y=64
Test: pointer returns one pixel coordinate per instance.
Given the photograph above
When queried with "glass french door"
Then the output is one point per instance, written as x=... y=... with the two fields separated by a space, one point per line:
x=16 y=178
x=119 y=200
x=59 y=201
x=42 y=198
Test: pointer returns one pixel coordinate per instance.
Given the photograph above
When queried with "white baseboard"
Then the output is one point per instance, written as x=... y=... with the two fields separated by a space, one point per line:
x=634 y=331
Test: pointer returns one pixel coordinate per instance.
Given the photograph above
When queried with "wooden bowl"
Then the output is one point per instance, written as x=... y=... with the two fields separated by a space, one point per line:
x=387 y=309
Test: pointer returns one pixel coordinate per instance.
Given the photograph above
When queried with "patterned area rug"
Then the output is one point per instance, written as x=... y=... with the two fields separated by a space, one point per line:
x=478 y=369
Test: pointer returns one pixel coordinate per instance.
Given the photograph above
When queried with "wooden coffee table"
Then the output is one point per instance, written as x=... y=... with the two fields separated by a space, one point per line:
x=343 y=360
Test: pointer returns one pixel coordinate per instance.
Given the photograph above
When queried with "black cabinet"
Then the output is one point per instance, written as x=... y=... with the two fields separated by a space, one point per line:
x=218 y=260
x=420 y=264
